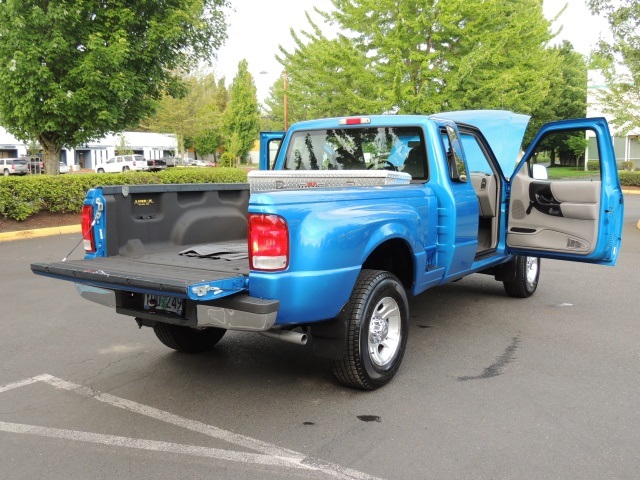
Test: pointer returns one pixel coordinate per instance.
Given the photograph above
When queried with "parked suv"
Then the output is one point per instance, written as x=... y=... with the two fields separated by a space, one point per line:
x=14 y=166
x=122 y=163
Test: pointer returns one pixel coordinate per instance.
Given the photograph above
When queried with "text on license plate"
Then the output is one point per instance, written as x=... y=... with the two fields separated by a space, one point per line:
x=165 y=304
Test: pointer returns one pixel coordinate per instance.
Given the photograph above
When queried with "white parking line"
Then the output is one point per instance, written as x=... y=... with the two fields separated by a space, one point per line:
x=269 y=454
x=151 y=445
x=21 y=383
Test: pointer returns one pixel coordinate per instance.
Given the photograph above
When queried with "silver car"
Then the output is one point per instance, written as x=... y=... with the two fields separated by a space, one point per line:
x=14 y=166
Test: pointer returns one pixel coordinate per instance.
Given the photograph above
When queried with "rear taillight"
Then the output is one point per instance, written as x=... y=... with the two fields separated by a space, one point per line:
x=88 y=237
x=268 y=242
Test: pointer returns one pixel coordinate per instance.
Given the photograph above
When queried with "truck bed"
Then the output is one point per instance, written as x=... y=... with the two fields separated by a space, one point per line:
x=149 y=226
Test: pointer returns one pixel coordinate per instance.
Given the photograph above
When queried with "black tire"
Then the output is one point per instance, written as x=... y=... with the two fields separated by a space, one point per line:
x=5 y=172
x=101 y=170
x=186 y=339
x=125 y=169
x=526 y=278
x=370 y=361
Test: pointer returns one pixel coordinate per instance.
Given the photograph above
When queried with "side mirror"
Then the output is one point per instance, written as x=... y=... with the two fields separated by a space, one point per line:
x=539 y=172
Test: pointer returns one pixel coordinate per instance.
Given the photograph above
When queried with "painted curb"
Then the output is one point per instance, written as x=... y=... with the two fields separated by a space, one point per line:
x=40 y=232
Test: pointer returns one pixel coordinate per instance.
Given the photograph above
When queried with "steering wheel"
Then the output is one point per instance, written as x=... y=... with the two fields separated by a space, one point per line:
x=387 y=166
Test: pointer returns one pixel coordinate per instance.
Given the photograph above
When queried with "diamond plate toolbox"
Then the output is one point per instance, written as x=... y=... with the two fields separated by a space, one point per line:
x=264 y=181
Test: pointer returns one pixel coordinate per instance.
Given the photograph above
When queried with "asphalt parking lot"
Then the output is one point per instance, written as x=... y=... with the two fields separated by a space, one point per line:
x=490 y=388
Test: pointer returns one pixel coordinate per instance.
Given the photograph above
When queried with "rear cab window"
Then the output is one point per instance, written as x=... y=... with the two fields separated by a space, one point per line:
x=399 y=149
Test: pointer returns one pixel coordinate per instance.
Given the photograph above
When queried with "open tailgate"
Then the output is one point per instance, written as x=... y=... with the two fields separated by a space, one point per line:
x=194 y=278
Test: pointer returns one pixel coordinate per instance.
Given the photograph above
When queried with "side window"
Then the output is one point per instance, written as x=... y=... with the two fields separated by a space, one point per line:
x=478 y=158
x=273 y=147
x=568 y=155
x=453 y=152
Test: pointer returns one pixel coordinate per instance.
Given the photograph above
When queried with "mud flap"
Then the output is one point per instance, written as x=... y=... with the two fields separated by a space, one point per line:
x=329 y=337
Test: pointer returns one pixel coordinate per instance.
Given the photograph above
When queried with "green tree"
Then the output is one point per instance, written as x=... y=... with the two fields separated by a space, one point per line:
x=334 y=70
x=424 y=57
x=567 y=97
x=242 y=118
x=71 y=71
x=195 y=116
x=620 y=61
x=211 y=102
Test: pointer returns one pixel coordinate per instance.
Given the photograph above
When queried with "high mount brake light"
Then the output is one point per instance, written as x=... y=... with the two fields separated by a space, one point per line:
x=354 y=121
x=268 y=242
x=88 y=237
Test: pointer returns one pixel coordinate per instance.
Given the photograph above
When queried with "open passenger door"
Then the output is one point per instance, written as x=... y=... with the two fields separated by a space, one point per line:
x=579 y=219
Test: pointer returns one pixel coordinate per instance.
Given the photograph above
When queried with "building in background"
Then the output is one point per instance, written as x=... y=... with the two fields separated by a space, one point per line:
x=10 y=146
x=150 y=145
x=625 y=145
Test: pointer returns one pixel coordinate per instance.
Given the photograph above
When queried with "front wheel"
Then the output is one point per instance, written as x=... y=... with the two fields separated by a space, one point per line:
x=525 y=281
x=101 y=170
x=377 y=330
x=187 y=339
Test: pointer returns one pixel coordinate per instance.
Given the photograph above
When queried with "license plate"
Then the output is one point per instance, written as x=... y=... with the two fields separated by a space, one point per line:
x=165 y=304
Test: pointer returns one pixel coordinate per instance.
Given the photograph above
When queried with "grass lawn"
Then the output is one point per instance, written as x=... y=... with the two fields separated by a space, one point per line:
x=557 y=173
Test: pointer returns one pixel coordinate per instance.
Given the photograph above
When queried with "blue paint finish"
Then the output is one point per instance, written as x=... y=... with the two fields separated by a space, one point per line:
x=205 y=291
x=265 y=138
x=331 y=237
x=503 y=130
x=307 y=296
x=95 y=198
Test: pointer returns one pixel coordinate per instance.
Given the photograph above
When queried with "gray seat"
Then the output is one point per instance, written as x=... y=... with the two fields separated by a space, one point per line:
x=414 y=163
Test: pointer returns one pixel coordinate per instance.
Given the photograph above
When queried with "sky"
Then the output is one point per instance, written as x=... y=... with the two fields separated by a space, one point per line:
x=257 y=28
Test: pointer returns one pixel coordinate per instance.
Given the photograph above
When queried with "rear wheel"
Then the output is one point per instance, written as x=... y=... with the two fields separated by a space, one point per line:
x=377 y=330
x=101 y=170
x=125 y=169
x=187 y=339
x=526 y=278
x=5 y=172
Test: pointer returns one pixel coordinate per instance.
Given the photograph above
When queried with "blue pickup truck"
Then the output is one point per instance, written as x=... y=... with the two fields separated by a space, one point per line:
x=350 y=218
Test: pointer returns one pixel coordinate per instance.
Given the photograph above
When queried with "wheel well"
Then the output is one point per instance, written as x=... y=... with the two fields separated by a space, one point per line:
x=393 y=256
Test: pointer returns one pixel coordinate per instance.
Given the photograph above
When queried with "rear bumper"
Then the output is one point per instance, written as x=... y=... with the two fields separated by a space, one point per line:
x=236 y=312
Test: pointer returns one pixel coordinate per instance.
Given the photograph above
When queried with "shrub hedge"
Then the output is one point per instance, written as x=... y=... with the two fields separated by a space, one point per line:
x=21 y=197
x=629 y=179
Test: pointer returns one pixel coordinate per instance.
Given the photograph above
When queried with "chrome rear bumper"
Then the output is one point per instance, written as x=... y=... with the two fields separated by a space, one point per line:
x=237 y=312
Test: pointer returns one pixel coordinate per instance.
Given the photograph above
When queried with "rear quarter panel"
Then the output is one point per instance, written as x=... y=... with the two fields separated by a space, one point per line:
x=332 y=232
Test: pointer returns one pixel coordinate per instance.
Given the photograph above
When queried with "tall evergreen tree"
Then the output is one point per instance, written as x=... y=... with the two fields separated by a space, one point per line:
x=567 y=97
x=242 y=118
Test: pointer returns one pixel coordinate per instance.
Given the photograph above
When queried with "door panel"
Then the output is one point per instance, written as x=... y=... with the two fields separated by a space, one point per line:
x=558 y=216
x=577 y=213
